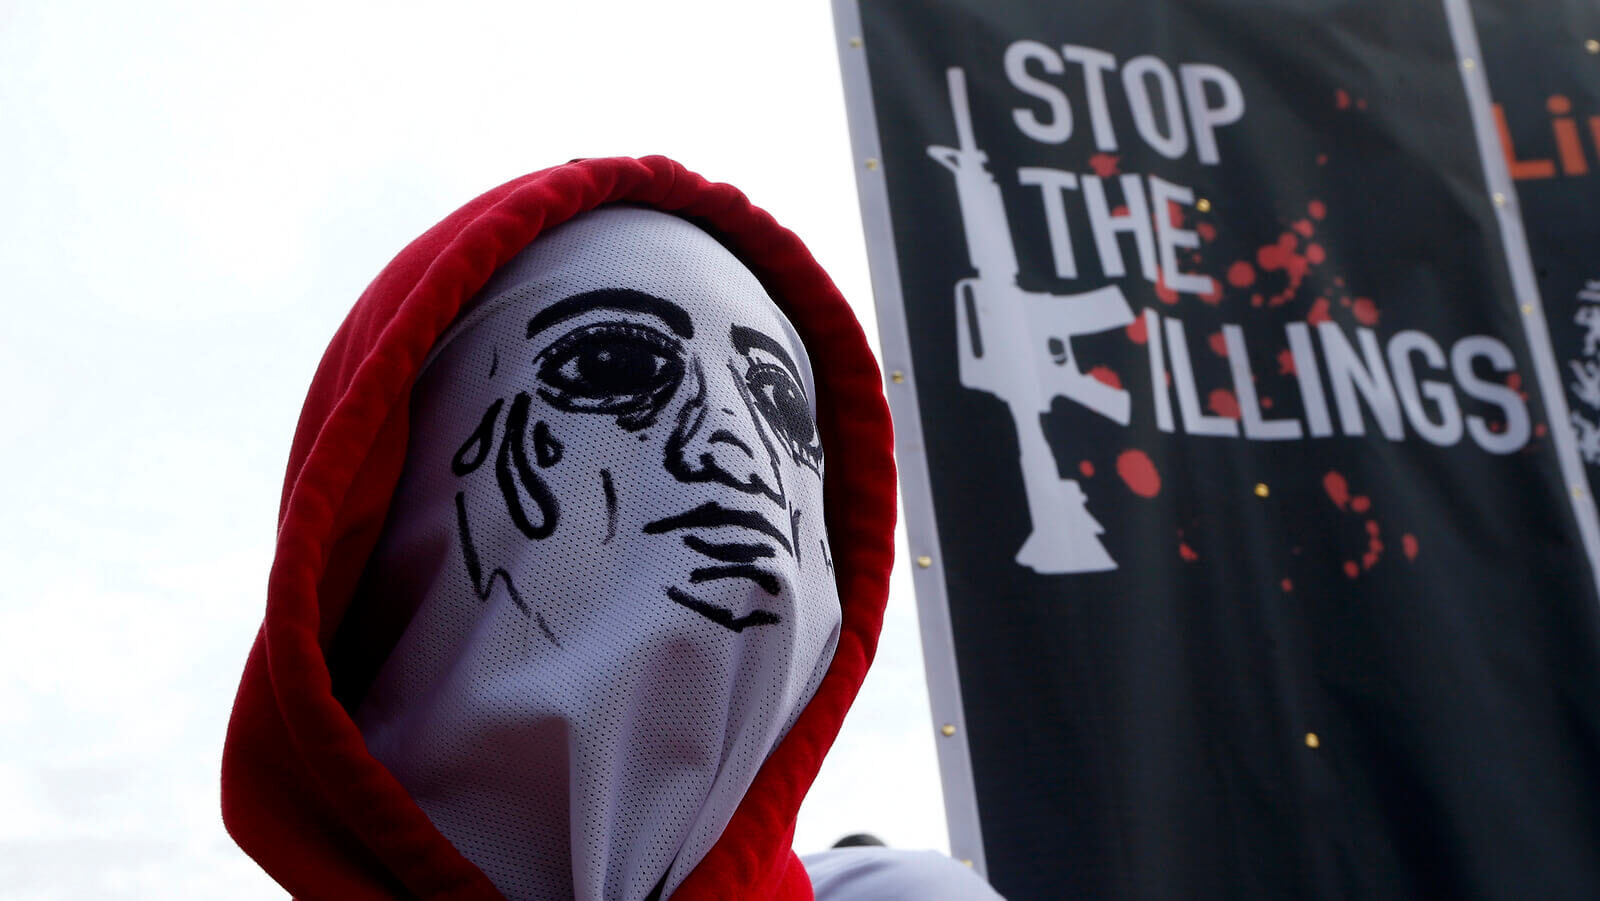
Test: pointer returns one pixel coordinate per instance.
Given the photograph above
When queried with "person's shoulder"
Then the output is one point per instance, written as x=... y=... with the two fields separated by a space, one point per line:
x=891 y=874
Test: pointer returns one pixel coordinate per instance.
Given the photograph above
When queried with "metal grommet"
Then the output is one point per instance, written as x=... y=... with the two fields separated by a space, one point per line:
x=855 y=42
x=1203 y=205
x=1527 y=309
x=1499 y=199
x=1312 y=741
x=872 y=162
x=1469 y=64
x=947 y=730
x=924 y=561
x=897 y=377
x=1592 y=45
x=1262 y=490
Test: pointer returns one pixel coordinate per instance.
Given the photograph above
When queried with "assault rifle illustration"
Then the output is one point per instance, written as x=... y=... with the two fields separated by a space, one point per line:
x=1017 y=346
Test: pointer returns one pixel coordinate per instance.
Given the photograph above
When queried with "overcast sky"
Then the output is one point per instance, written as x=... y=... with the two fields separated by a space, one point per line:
x=194 y=196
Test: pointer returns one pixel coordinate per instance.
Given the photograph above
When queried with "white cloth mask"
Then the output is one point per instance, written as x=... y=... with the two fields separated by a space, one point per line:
x=610 y=527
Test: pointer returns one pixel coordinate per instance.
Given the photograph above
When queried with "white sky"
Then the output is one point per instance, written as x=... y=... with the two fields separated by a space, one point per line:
x=194 y=195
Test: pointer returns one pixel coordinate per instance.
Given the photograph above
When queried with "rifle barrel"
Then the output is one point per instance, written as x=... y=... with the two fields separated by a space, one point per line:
x=958 y=105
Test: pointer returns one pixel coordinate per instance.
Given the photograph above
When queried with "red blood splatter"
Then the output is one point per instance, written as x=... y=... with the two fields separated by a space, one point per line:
x=1208 y=232
x=1286 y=362
x=1303 y=226
x=1136 y=331
x=1350 y=569
x=1372 y=524
x=1319 y=311
x=1086 y=468
x=1175 y=214
x=1361 y=503
x=1539 y=430
x=1119 y=210
x=1322 y=159
x=1514 y=381
x=1316 y=254
x=1165 y=294
x=1317 y=208
x=1139 y=473
x=1286 y=585
x=1338 y=489
x=1106 y=375
x=1344 y=301
x=1408 y=542
x=1283 y=256
x=1361 y=103
x=1369 y=559
x=1496 y=427
x=1256 y=300
x=1241 y=274
x=1104 y=164
x=1223 y=403
x=1187 y=553
x=1219 y=344
x=1366 y=312
x=1341 y=99
x=1214 y=296
x=1266 y=403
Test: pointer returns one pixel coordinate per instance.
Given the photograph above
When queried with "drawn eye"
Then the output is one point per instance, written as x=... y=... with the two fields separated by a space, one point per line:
x=621 y=368
x=780 y=400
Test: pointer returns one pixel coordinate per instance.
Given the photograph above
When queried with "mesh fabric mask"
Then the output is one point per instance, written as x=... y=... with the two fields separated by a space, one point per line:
x=610 y=527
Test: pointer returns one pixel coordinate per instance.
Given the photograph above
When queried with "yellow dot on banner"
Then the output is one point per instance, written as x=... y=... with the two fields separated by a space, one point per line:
x=1577 y=492
x=1499 y=199
x=855 y=42
x=924 y=561
x=1592 y=45
x=1312 y=741
x=897 y=376
x=1469 y=64
x=966 y=861
x=1527 y=309
x=947 y=730
x=872 y=162
x=1262 y=490
x=1203 y=205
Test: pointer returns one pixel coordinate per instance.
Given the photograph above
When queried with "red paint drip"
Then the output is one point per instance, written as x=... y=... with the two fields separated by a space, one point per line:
x=1106 y=376
x=1372 y=524
x=1514 y=381
x=1286 y=362
x=1187 y=553
x=1219 y=344
x=1317 y=208
x=1322 y=159
x=1136 y=331
x=1408 y=542
x=1214 y=296
x=1350 y=569
x=1208 y=232
x=1266 y=403
x=1361 y=503
x=1139 y=473
x=1241 y=274
x=1104 y=164
x=1174 y=214
x=1540 y=430
x=1086 y=468
x=1315 y=254
x=1319 y=311
x=1341 y=99
x=1223 y=403
x=1365 y=311
x=1165 y=294
x=1286 y=585
x=1338 y=489
x=1303 y=226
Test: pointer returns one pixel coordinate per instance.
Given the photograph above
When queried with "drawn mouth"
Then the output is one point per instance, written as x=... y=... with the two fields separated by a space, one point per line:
x=735 y=560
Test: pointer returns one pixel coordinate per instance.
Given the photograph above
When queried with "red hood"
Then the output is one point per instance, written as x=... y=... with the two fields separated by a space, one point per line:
x=300 y=792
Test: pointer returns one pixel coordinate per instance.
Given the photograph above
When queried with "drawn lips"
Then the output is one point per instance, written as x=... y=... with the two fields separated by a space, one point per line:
x=734 y=560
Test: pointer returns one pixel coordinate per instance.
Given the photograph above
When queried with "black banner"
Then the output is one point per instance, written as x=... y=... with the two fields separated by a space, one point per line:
x=1263 y=578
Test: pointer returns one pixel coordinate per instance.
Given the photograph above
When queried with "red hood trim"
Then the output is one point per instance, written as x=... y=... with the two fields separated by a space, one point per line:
x=300 y=793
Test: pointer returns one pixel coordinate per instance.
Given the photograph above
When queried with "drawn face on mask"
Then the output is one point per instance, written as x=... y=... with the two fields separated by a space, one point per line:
x=664 y=420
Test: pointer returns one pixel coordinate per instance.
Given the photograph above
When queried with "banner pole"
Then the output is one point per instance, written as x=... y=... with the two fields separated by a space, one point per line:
x=927 y=572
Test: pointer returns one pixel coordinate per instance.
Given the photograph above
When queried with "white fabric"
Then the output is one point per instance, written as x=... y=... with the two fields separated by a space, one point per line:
x=890 y=874
x=581 y=746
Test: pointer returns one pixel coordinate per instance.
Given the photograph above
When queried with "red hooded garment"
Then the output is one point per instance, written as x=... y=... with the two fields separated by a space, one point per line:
x=300 y=792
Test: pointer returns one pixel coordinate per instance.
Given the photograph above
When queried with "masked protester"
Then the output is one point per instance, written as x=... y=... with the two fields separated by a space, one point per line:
x=568 y=600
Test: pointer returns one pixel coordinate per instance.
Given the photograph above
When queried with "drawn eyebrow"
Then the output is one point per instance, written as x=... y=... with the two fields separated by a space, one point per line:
x=625 y=299
x=746 y=338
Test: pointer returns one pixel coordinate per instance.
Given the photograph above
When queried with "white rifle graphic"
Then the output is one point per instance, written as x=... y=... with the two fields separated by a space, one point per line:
x=1017 y=346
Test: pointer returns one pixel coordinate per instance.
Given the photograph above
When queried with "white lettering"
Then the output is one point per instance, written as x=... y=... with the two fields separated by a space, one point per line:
x=1516 y=431
x=1158 y=371
x=1348 y=374
x=1106 y=226
x=1052 y=183
x=1095 y=63
x=1169 y=237
x=1204 y=119
x=1194 y=421
x=1059 y=127
x=1175 y=142
x=1244 y=391
x=1445 y=432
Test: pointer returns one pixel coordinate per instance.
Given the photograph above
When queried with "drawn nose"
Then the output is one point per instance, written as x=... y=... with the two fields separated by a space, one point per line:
x=721 y=439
